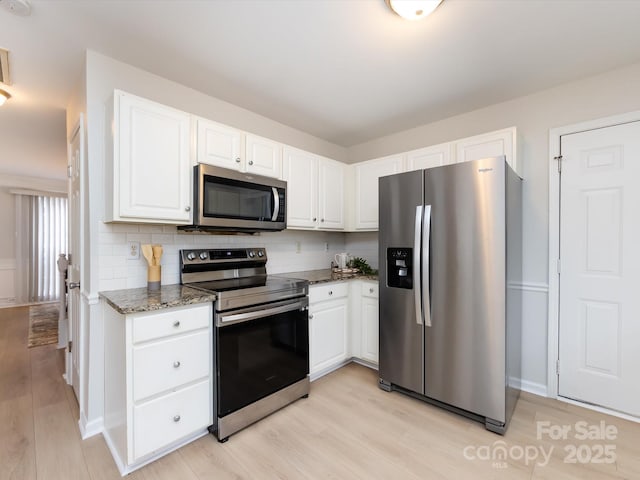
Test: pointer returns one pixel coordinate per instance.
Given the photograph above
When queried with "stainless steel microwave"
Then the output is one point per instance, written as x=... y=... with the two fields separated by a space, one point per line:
x=232 y=201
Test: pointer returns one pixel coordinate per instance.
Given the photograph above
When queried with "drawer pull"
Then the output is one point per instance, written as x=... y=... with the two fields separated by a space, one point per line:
x=176 y=418
x=310 y=316
x=330 y=292
x=176 y=364
x=176 y=323
x=371 y=290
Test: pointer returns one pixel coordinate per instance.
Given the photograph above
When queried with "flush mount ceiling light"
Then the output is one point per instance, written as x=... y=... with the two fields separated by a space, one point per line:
x=413 y=9
x=18 y=7
x=4 y=96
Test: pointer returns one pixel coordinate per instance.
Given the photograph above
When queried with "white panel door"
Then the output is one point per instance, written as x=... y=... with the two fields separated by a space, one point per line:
x=218 y=145
x=600 y=268
x=301 y=174
x=264 y=156
x=434 y=156
x=331 y=194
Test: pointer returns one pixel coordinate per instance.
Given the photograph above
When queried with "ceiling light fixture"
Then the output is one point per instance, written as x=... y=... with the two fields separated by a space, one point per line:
x=413 y=9
x=4 y=96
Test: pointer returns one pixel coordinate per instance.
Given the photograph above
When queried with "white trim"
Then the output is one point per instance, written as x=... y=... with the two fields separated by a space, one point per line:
x=34 y=183
x=554 y=234
x=534 y=388
x=589 y=406
x=529 y=286
x=90 y=429
x=91 y=298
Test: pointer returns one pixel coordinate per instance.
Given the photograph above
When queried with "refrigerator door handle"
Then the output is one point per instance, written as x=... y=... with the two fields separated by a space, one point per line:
x=426 y=239
x=417 y=275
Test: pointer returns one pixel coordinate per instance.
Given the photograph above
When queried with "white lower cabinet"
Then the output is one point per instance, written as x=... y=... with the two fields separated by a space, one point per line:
x=369 y=321
x=328 y=327
x=158 y=381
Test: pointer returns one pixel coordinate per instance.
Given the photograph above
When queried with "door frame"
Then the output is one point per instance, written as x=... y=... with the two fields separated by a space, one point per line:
x=553 y=325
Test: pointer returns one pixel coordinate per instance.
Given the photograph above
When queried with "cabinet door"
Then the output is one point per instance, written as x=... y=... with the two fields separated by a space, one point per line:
x=263 y=156
x=429 y=157
x=369 y=348
x=301 y=174
x=367 y=174
x=327 y=334
x=152 y=177
x=218 y=145
x=331 y=194
x=501 y=142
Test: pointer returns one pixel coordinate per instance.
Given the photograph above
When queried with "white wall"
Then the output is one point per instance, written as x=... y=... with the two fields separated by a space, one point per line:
x=534 y=115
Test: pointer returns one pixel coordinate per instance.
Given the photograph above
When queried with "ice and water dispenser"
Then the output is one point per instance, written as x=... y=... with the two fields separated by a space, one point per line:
x=400 y=267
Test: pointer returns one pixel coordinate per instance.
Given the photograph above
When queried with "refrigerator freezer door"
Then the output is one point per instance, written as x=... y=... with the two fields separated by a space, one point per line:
x=401 y=358
x=465 y=345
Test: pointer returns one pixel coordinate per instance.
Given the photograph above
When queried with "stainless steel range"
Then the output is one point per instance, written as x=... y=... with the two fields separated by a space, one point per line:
x=260 y=334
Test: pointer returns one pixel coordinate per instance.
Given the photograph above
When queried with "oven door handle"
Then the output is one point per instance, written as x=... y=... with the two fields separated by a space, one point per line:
x=225 y=319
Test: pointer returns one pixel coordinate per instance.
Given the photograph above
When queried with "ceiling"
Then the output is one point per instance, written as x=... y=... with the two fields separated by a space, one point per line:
x=346 y=71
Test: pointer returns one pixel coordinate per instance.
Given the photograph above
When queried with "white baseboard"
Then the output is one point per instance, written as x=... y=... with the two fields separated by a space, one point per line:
x=90 y=429
x=534 y=388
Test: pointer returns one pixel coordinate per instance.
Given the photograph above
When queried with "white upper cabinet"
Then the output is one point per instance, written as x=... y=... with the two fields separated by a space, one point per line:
x=301 y=174
x=263 y=156
x=492 y=144
x=218 y=144
x=366 y=188
x=227 y=147
x=428 y=157
x=148 y=174
x=315 y=191
x=331 y=194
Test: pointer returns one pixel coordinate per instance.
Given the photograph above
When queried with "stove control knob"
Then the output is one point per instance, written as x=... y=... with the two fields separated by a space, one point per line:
x=204 y=255
x=252 y=254
x=260 y=253
x=191 y=256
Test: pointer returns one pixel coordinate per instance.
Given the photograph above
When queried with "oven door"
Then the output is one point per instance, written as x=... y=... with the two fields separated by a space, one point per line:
x=236 y=200
x=258 y=351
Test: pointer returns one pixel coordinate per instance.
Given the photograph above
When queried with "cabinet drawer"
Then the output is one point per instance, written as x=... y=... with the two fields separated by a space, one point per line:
x=170 y=322
x=327 y=291
x=370 y=289
x=167 y=364
x=162 y=421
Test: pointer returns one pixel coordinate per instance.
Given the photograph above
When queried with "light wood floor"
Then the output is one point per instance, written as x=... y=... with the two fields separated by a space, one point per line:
x=347 y=429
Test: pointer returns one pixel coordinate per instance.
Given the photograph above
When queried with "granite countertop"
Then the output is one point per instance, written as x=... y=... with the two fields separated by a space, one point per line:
x=137 y=300
x=327 y=275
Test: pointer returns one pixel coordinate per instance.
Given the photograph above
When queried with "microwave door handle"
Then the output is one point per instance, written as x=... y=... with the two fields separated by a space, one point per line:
x=276 y=204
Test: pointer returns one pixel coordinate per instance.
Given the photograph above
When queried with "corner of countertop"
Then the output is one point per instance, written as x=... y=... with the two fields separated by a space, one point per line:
x=138 y=300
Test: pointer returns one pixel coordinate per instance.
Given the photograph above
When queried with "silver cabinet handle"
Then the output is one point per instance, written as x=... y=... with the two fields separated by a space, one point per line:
x=315 y=218
x=176 y=364
x=176 y=323
x=73 y=285
x=371 y=290
x=250 y=162
x=176 y=418
x=330 y=293
x=310 y=316
x=187 y=208
x=322 y=219
x=237 y=159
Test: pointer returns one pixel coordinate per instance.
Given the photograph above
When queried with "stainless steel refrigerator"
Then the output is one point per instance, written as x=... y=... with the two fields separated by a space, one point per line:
x=450 y=251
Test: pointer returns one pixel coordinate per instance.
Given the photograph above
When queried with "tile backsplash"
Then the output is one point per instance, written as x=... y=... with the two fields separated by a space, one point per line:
x=288 y=251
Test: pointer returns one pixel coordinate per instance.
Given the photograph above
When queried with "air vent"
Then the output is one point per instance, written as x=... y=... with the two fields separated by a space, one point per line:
x=4 y=66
